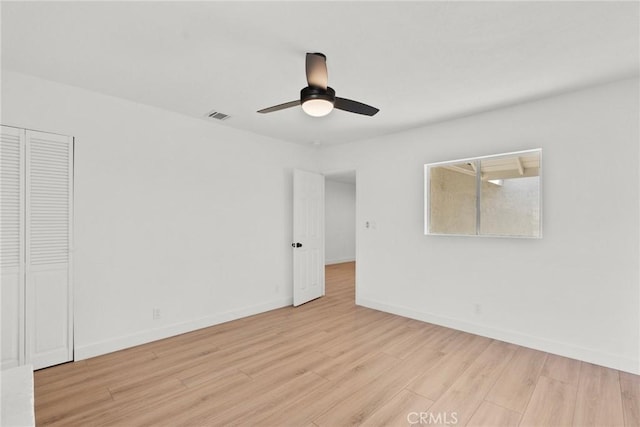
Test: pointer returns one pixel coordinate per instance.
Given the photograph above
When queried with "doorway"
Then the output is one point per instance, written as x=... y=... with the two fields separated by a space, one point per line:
x=340 y=218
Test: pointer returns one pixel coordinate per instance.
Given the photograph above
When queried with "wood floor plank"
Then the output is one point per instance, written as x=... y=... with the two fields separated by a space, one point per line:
x=401 y=410
x=199 y=412
x=145 y=389
x=304 y=410
x=205 y=372
x=111 y=360
x=467 y=393
x=63 y=382
x=334 y=367
x=357 y=407
x=438 y=338
x=369 y=336
x=182 y=406
x=394 y=344
x=286 y=351
x=599 y=400
x=433 y=383
x=415 y=339
x=68 y=404
x=552 y=404
x=492 y=415
x=154 y=370
x=334 y=322
x=630 y=388
x=561 y=369
x=54 y=375
x=264 y=403
x=307 y=361
x=515 y=386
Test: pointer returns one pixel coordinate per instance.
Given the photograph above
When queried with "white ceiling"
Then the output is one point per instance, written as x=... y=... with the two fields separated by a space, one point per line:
x=419 y=62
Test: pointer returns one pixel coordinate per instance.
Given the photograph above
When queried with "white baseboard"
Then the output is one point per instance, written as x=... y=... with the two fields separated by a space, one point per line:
x=339 y=261
x=597 y=357
x=107 y=346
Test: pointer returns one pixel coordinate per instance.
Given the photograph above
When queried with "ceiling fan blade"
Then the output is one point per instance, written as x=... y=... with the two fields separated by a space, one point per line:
x=316 y=65
x=355 y=107
x=280 y=107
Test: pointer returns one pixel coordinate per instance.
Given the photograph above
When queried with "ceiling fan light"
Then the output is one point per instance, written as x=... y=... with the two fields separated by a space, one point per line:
x=317 y=107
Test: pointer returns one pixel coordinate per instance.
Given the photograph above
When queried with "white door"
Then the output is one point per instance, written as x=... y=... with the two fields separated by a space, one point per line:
x=308 y=236
x=12 y=245
x=49 y=201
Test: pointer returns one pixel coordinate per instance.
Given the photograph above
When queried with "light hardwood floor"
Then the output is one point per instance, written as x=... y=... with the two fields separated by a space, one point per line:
x=330 y=363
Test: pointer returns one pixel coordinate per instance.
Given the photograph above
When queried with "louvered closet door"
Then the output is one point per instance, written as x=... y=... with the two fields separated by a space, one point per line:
x=49 y=178
x=12 y=245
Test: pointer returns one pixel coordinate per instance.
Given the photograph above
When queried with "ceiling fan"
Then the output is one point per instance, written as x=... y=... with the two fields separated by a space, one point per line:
x=318 y=99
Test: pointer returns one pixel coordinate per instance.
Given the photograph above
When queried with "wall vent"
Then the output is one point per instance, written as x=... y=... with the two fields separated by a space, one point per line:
x=217 y=115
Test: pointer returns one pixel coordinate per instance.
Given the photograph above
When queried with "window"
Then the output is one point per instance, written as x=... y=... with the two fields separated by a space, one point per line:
x=497 y=195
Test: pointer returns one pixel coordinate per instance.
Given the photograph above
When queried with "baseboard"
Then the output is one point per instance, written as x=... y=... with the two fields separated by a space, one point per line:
x=107 y=346
x=597 y=357
x=339 y=261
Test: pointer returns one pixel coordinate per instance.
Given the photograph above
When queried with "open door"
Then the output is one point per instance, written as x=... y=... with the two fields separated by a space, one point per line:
x=308 y=236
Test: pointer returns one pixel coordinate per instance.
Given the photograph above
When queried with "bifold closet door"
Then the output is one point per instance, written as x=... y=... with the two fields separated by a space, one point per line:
x=49 y=201
x=12 y=190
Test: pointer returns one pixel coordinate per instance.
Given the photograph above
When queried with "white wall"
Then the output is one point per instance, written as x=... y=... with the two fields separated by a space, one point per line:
x=574 y=292
x=172 y=212
x=340 y=221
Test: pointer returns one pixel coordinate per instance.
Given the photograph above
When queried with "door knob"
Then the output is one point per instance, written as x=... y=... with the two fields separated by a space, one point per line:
x=296 y=245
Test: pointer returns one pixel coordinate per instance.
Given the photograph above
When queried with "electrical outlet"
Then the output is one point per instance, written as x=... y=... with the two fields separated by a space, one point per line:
x=156 y=313
x=478 y=309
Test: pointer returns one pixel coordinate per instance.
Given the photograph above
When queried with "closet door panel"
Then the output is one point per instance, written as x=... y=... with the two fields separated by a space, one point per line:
x=12 y=320
x=12 y=245
x=49 y=198
x=50 y=340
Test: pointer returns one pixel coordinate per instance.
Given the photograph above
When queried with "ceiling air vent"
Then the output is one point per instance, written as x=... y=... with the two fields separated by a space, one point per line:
x=217 y=115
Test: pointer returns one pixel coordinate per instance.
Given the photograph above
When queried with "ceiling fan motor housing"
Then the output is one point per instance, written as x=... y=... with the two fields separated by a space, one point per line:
x=312 y=92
